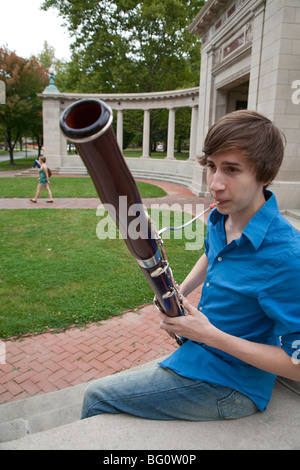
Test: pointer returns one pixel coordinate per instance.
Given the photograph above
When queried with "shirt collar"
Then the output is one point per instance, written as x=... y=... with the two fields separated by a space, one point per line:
x=258 y=226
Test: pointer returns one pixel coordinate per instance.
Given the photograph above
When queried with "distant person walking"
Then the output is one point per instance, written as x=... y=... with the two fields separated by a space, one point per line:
x=43 y=180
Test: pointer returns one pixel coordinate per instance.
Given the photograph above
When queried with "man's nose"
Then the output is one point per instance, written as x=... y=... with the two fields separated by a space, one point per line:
x=217 y=182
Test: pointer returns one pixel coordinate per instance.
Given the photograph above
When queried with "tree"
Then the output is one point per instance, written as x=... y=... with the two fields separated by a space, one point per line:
x=24 y=78
x=130 y=45
x=47 y=55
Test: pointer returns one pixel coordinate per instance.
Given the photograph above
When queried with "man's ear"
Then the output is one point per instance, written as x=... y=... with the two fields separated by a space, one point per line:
x=265 y=185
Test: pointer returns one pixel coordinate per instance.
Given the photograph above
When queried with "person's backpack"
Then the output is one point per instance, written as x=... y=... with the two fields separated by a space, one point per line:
x=49 y=172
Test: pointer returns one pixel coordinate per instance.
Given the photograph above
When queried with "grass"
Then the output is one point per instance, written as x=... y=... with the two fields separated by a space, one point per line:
x=20 y=164
x=55 y=272
x=25 y=187
x=25 y=163
x=136 y=153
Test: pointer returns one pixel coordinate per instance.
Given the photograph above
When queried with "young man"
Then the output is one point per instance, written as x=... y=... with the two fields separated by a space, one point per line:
x=246 y=329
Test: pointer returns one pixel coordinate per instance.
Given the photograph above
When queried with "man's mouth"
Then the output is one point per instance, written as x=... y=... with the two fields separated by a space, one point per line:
x=222 y=202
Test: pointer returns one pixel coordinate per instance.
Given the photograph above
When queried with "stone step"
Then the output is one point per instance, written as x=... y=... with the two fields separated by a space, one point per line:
x=276 y=429
x=293 y=213
x=153 y=175
x=42 y=412
x=72 y=171
x=293 y=216
x=39 y=413
x=52 y=421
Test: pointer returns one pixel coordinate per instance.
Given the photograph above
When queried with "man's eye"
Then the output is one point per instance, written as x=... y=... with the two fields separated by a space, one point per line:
x=232 y=169
x=211 y=166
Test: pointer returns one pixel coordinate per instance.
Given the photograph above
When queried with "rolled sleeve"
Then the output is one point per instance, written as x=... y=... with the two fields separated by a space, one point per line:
x=291 y=345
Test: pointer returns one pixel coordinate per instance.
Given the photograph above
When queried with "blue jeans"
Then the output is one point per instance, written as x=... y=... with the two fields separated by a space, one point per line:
x=36 y=163
x=161 y=394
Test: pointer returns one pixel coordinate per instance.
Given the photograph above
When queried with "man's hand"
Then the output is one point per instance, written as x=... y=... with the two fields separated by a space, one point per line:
x=194 y=325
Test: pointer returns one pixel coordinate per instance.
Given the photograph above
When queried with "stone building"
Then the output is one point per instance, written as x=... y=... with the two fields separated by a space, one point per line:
x=250 y=58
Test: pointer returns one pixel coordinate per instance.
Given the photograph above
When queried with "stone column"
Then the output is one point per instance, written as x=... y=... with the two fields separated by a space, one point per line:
x=53 y=139
x=193 y=134
x=63 y=145
x=120 y=129
x=205 y=95
x=256 y=56
x=171 y=134
x=199 y=185
x=146 y=134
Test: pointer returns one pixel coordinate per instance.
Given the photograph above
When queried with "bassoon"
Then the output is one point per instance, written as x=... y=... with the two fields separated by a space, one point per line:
x=87 y=124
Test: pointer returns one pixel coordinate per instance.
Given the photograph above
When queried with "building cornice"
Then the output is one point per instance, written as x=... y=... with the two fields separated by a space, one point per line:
x=212 y=9
x=206 y=16
x=130 y=100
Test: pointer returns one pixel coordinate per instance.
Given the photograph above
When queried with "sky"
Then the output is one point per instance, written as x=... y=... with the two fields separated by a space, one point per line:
x=24 y=28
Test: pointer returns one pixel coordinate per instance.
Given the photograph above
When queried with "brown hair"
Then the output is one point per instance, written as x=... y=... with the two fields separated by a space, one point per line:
x=251 y=133
x=43 y=159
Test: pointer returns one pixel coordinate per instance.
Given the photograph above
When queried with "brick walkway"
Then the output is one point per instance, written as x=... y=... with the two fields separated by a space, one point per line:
x=46 y=362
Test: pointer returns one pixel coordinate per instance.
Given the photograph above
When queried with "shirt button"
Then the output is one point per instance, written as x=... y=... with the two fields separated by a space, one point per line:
x=220 y=259
x=201 y=308
x=207 y=284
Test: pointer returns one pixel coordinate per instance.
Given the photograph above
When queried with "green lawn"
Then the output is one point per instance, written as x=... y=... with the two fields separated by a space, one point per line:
x=25 y=163
x=137 y=153
x=25 y=187
x=55 y=272
x=20 y=164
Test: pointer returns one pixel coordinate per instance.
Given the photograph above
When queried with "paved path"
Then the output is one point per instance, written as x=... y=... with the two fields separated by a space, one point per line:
x=46 y=362
x=17 y=155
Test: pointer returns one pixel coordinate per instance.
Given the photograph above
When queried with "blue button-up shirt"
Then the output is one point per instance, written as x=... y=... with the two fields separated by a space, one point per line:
x=251 y=291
